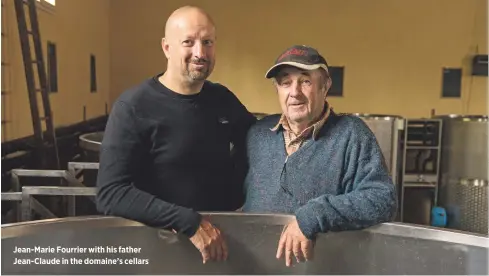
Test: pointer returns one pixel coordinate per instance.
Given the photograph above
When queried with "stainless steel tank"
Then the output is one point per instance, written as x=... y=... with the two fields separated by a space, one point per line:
x=464 y=174
x=387 y=130
x=252 y=240
x=90 y=145
x=91 y=142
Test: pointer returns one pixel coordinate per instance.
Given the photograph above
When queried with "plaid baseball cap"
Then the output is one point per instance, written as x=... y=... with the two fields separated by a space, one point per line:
x=300 y=56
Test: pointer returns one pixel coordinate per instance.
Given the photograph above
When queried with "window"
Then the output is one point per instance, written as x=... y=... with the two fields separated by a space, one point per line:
x=336 y=74
x=46 y=5
x=52 y=70
x=49 y=2
x=451 y=83
x=93 y=75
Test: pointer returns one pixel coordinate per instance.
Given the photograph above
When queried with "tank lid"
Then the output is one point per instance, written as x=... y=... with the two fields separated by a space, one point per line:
x=465 y=118
x=385 y=117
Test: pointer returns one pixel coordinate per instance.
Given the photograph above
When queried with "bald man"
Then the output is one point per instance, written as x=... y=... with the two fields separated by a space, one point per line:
x=166 y=152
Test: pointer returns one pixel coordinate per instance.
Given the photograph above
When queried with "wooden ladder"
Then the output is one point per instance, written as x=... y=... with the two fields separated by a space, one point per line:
x=45 y=143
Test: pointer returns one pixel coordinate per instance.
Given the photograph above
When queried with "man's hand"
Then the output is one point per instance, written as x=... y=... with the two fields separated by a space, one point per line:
x=209 y=242
x=293 y=242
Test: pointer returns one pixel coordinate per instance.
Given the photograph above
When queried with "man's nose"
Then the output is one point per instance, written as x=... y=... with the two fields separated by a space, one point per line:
x=296 y=89
x=198 y=50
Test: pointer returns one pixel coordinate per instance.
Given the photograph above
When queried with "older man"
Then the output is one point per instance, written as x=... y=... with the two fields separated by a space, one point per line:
x=326 y=169
x=166 y=148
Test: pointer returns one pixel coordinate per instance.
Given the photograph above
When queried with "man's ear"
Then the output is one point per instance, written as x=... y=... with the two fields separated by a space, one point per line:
x=327 y=86
x=274 y=84
x=166 y=47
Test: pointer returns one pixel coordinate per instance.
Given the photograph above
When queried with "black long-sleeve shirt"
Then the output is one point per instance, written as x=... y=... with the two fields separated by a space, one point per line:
x=166 y=156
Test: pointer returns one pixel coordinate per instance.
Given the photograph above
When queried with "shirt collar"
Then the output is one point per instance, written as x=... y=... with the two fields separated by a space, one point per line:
x=316 y=127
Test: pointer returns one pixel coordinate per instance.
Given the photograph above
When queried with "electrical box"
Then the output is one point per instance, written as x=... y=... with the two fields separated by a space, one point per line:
x=479 y=65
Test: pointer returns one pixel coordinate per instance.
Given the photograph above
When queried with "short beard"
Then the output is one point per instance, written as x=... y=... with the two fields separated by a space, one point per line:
x=196 y=75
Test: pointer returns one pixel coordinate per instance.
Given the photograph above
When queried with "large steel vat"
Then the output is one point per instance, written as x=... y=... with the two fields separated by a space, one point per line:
x=90 y=142
x=252 y=240
x=90 y=145
x=387 y=130
x=464 y=174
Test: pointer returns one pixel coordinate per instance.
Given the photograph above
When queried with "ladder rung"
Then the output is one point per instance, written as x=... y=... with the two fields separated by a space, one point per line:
x=34 y=61
x=4 y=122
x=4 y=92
x=4 y=63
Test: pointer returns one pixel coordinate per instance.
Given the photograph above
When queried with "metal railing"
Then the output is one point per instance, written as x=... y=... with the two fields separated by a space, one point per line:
x=23 y=197
x=29 y=203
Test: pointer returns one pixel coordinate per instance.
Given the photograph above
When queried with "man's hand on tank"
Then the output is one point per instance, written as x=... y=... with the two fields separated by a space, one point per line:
x=209 y=241
x=293 y=242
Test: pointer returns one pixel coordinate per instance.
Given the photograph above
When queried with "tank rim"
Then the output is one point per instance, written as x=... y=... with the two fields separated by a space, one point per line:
x=472 y=118
x=260 y=115
x=376 y=116
x=88 y=144
x=396 y=229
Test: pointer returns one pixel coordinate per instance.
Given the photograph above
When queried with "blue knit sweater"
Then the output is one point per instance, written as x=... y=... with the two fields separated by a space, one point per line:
x=337 y=182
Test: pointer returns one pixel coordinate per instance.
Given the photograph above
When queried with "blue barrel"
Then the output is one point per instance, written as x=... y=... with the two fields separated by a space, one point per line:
x=438 y=217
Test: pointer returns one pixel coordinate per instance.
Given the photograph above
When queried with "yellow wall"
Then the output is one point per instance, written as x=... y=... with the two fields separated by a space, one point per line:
x=393 y=51
x=78 y=28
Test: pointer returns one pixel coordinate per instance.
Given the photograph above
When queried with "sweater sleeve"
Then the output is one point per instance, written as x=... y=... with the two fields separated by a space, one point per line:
x=244 y=120
x=370 y=197
x=121 y=156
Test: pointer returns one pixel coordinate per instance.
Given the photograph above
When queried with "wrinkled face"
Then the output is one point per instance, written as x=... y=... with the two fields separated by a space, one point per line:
x=190 y=48
x=302 y=93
